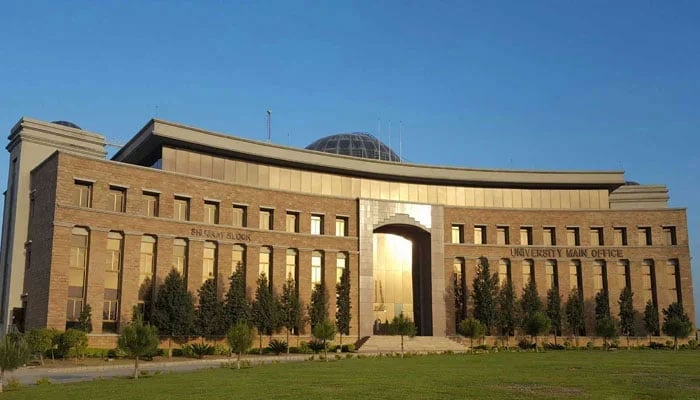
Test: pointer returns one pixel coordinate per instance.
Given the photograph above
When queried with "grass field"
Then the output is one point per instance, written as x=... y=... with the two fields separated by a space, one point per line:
x=550 y=375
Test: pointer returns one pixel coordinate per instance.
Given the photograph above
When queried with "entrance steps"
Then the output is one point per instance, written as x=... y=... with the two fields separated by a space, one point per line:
x=417 y=344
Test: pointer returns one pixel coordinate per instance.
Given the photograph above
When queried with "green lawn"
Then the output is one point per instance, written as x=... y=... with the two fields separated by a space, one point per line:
x=550 y=375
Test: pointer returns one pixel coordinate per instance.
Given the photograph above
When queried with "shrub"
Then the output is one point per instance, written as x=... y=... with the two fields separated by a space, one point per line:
x=277 y=346
x=72 y=342
x=658 y=346
x=692 y=344
x=348 y=348
x=589 y=345
x=524 y=344
x=13 y=384
x=43 y=381
x=568 y=344
x=202 y=349
x=221 y=350
x=482 y=347
x=553 y=346
x=316 y=345
x=116 y=353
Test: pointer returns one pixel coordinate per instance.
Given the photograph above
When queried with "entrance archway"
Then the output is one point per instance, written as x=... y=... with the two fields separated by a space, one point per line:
x=402 y=275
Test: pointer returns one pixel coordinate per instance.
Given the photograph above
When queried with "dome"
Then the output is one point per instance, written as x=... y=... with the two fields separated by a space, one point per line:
x=356 y=144
x=66 y=123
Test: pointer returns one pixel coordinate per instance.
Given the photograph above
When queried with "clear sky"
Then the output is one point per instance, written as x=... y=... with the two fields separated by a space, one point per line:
x=519 y=84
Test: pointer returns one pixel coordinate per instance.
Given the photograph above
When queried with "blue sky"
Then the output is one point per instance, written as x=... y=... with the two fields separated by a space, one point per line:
x=525 y=85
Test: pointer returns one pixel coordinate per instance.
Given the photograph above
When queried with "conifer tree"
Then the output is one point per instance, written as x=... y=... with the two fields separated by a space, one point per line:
x=342 y=313
x=554 y=311
x=291 y=310
x=530 y=302
x=85 y=319
x=174 y=313
x=506 y=311
x=265 y=310
x=676 y=322
x=318 y=309
x=602 y=305
x=460 y=300
x=236 y=303
x=627 y=314
x=651 y=319
x=209 y=311
x=484 y=294
x=574 y=314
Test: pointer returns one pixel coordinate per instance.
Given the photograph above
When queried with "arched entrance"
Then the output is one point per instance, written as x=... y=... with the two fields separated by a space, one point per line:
x=402 y=275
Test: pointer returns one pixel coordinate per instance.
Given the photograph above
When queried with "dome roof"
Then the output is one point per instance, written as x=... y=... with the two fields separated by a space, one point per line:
x=66 y=123
x=355 y=144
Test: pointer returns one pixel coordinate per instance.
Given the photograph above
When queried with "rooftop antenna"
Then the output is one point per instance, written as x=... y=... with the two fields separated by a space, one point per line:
x=269 y=121
x=400 y=142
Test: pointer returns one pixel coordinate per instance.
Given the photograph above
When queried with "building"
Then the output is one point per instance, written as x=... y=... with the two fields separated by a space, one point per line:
x=80 y=229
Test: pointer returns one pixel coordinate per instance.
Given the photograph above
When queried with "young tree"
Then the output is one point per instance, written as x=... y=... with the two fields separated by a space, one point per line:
x=318 y=309
x=240 y=339
x=554 y=311
x=460 y=300
x=39 y=341
x=676 y=323
x=265 y=310
x=473 y=329
x=138 y=340
x=627 y=314
x=602 y=305
x=537 y=324
x=290 y=309
x=506 y=311
x=85 y=319
x=210 y=311
x=402 y=326
x=72 y=341
x=574 y=314
x=342 y=313
x=651 y=319
x=174 y=313
x=237 y=307
x=13 y=354
x=484 y=294
x=324 y=331
x=530 y=303
x=607 y=329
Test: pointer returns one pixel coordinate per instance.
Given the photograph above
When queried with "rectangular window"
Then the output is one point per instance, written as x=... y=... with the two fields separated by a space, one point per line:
x=648 y=281
x=340 y=266
x=264 y=262
x=180 y=256
x=623 y=274
x=239 y=216
x=77 y=274
x=575 y=275
x=237 y=257
x=670 y=234
x=620 y=236
x=82 y=194
x=117 y=199
x=316 y=267
x=527 y=272
x=211 y=212
x=526 y=235
x=209 y=261
x=550 y=267
x=674 y=280
x=113 y=270
x=502 y=235
x=266 y=215
x=550 y=237
x=572 y=236
x=644 y=236
x=290 y=270
x=503 y=271
x=147 y=267
x=181 y=209
x=479 y=234
x=341 y=226
x=597 y=237
x=150 y=204
x=599 y=275
x=292 y=223
x=457 y=233
x=316 y=224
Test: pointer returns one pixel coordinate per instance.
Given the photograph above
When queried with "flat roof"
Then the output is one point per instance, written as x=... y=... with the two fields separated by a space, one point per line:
x=146 y=145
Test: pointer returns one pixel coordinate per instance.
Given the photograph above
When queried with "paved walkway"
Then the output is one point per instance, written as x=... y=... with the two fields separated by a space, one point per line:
x=29 y=375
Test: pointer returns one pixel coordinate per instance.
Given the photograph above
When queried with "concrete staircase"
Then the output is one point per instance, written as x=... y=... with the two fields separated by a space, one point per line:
x=417 y=344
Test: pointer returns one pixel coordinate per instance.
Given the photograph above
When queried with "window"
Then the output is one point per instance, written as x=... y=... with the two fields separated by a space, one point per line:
x=292 y=223
x=644 y=236
x=457 y=233
x=77 y=274
x=181 y=209
x=147 y=266
x=82 y=194
x=623 y=274
x=648 y=281
x=341 y=264
x=526 y=235
x=575 y=275
x=503 y=271
x=620 y=236
x=316 y=224
x=239 y=216
x=211 y=212
x=150 y=204
x=550 y=236
x=237 y=257
x=117 y=199
x=180 y=257
x=209 y=261
x=527 y=272
x=599 y=276
x=597 y=237
x=479 y=234
x=502 y=235
x=113 y=270
x=670 y=234
x=316 y=267
x=266 y=215
x=572 y=236
x=290 y=270
x=341 y=226
x=264 y=262
x=674 y=280
x=550 y=267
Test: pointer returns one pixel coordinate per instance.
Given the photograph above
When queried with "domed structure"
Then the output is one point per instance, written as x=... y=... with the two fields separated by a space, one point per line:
x=67 y=123
x=355 y=144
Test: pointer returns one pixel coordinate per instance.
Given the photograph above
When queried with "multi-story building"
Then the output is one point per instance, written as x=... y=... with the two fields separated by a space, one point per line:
x=80 y=229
